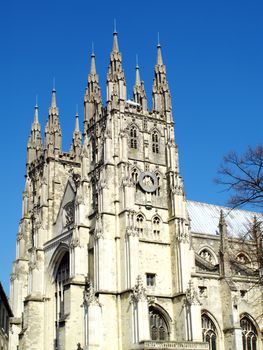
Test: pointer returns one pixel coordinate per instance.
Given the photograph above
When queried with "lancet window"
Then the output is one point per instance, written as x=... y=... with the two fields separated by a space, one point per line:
x=156 y=226
x=134 y=175
x=249 y=334
x=155 y=142
x=158 y=325
x=209 y=332
x=140 y=224
x=62 y=277
x=133 y=137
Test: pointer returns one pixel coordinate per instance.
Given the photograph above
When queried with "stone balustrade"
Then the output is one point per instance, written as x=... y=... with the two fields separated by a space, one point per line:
x=162 y=345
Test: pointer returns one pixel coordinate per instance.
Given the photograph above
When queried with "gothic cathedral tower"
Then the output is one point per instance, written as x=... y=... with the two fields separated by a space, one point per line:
x=104 y=255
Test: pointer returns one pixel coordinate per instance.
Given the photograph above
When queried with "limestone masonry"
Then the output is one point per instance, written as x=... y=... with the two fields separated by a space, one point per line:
x=110 y=255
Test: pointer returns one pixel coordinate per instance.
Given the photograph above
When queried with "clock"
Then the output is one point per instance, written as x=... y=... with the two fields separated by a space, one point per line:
x=148 y=181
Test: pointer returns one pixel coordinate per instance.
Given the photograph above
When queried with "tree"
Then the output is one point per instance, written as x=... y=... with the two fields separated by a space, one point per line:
x=242 y=176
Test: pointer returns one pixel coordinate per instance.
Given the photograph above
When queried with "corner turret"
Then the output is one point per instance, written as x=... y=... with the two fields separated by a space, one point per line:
x=34 y=146
x=160 y=91
x=92 y=99
x=116 y=85
x=53 y=135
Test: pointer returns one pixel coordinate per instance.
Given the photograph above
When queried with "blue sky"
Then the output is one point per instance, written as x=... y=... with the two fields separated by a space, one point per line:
x=213 y=51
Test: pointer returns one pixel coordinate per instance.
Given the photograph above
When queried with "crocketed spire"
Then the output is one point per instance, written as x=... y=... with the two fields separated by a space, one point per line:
x=34 y=146
x=76 y=140
x=139 y=94
x=53 y=135
x=161 y=91
x=116 y=85
x=92 y=99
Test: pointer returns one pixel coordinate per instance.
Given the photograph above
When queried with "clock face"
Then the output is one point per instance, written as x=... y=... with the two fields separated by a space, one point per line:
x=148 y=181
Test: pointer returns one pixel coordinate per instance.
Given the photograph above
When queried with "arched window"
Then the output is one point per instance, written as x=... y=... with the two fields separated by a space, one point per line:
x=207 y=255
x=62 y=276
x=133 y=137
x=134 y=175
x=156 y=226
x=243 y=259
x=209 y=332
x=155 y=142
x=158 y=325
x=249 y=334
x=140 y=223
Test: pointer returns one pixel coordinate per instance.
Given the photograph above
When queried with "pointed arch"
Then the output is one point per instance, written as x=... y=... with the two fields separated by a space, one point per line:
x=135 y=171
x=210 y=330
x=159 y=176
x=156 y=225
x=134 y=136
x=250 y=331
x=140 y=223
x=159 y=323
x=208 y=254
x=243 y=258
x=56 y=259
x=155 y=140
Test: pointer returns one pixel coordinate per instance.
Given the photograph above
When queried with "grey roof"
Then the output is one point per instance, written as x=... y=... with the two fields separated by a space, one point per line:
x=205 y=219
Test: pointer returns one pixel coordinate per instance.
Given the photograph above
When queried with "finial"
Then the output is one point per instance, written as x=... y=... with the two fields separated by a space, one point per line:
x=158 y=39
x=53 y=102
x=77 y=109
x=115 y=39
x=159 y=52
x=36 y=106
x=92 y=49
x=114 y=26
x=36 y=112
x=137 y=61
x=137 y=73
x=54 y=85
x=77 y=120
x=92 y=63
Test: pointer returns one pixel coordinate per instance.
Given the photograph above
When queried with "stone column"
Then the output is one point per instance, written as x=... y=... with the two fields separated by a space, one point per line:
x=193 y=307
x=140 y=312
x=93 y=320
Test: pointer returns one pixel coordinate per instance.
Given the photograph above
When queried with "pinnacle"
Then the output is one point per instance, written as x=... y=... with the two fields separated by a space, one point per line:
x=77 y=122
x=53 y=102
x=92 y=64
x=137 y=76
x=222 y=218
x=159 y=55
x=36 y=114
x=115 y=47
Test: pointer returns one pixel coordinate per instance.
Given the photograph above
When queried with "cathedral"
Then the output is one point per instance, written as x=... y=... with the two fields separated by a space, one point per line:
x=110 y=255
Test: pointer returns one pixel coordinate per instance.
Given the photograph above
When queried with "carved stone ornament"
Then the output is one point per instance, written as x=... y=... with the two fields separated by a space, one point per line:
x=192 y=295
x=74 y=243
x=148 y=181
x=98 y=232
x=69 y=213
x=132 y=231
x=139 y=291
x=89 y=296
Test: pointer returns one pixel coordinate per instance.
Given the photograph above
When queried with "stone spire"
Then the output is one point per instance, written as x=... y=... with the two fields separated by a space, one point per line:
x=161 y=91
x=34 y=146
x=76 y=140
x=53 y=133
x=116 y=85
x=92 y=99
x=139 y=94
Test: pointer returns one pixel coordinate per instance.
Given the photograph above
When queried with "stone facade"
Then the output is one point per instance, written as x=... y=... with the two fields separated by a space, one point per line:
x=5 y=314
x=106 y=257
